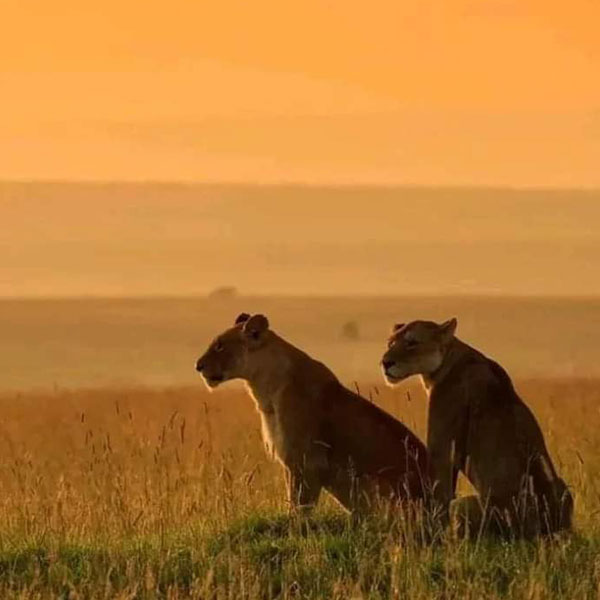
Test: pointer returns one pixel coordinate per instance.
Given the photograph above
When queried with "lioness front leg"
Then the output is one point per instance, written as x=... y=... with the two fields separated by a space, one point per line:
x=303 y=488
x=446 y=472
x=446 y=444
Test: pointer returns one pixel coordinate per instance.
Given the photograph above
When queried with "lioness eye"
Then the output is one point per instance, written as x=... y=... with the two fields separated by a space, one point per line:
x=411 y=343
x=217 y=346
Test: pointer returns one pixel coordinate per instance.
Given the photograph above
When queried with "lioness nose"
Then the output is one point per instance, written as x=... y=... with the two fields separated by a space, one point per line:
x=387 y=364
x=199 y=366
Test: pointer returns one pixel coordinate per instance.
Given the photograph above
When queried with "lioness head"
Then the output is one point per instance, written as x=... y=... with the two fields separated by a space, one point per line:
x=416 y=348
x=229 y=354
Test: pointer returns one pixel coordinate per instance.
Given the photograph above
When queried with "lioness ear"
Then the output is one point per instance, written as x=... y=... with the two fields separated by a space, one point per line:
x=256 y=326
x=398 y=327
x=448 y=328
x=242 y=318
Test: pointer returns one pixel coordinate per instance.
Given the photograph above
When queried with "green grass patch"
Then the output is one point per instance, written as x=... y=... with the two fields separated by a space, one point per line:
x=327 y=556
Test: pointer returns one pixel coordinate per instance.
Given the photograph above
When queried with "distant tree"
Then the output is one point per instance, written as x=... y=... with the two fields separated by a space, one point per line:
x=226 y=292
x=350 y=331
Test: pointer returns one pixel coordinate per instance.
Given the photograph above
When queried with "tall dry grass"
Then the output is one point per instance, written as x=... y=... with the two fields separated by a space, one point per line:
x=168 y=493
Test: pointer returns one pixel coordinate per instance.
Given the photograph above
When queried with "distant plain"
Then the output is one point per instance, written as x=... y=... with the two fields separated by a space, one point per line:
x=97 y=342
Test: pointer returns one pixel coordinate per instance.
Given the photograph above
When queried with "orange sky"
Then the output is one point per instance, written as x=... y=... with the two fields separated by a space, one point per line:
x=438 y=92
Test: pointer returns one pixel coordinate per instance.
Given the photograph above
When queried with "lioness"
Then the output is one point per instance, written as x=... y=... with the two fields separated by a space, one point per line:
x=324 y=435
x=479 y=425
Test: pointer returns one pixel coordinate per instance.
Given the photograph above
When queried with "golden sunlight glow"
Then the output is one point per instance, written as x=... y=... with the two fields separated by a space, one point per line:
x=448 y=91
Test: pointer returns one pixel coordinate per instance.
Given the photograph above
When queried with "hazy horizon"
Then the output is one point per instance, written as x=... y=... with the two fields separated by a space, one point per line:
x=142 y=341
x=292 y=183
x=351 y=164
x=119 y=240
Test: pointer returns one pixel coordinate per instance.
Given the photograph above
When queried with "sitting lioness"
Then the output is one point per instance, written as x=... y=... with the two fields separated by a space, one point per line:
x=480 y=426
x=324 y=435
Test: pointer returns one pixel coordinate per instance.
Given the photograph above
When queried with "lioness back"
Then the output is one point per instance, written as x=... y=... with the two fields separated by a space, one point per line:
x=376 y=444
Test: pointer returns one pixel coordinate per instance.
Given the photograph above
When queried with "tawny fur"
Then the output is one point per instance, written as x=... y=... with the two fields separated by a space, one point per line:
x=479 y=425
x=325 y=436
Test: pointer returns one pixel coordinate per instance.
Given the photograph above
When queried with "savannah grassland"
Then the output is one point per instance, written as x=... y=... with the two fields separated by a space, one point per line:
x=160 y=489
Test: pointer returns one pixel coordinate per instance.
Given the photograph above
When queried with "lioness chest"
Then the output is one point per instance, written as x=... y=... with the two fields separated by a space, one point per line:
x=289 y=423
x=273 y=434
